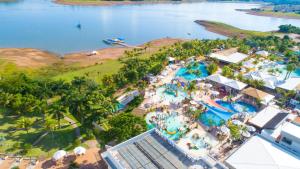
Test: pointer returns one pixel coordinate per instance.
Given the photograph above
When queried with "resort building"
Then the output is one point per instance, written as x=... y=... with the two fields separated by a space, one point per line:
x=268 y=118
x=152 y=150
x=252 y=95
x=291 y=84
x=259 y=153
x=270 y=81
x=231 y=86
x=128 y=97
x=229 y=56
x=262 y=53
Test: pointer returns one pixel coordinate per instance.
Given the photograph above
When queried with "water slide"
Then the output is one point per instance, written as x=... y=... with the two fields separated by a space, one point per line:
x=215 y=104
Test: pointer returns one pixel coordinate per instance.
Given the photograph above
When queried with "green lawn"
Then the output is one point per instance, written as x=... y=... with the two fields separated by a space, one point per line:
x=95 y=72
x=228 y=30
x=14 y=138
x=280 y=14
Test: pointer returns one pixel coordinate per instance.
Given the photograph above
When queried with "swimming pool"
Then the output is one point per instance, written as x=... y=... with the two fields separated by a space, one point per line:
x=281 y=66
x=171 y=126
x=216 y=116
x=184 y=72
x=295 y=73
x=171 y=96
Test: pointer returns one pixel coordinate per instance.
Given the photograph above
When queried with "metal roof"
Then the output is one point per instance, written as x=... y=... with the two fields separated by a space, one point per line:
x=271 y=124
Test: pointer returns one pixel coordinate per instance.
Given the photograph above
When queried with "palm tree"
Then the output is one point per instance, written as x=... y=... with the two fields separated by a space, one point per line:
x=289 y=68
x=191 y=88
x=25 y=123
x=5 y=99
x=57 y=110
x=50 y=125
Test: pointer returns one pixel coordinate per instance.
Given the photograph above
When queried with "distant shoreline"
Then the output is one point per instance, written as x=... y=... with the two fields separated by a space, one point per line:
x=112 y=3
x=228 y=30
x=37 y=58
x=270 y=14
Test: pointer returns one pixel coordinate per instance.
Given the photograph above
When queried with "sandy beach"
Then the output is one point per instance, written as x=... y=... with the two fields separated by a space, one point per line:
x=35 y=58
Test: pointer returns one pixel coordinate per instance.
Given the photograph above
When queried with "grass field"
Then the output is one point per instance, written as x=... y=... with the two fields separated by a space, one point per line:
x=288 y=14
x=228 y=30
x=95 y=72
x=15 y=138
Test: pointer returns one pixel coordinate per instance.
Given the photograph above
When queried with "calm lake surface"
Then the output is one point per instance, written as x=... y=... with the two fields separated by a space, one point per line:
x=48 y=26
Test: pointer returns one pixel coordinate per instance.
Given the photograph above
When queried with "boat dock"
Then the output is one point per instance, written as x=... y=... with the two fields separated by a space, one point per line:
x=119 y=41
x=126 y=45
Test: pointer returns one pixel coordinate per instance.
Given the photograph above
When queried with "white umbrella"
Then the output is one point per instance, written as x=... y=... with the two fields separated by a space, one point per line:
x=225 y=130
x=59 y=154
x=193 y=102
x=251 y=128
x=208 y=85
x=79 y=150
x=246 y=134
x=215 y=93
x=237 y=122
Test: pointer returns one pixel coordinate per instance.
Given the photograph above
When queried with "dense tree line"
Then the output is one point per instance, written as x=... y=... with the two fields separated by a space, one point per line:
x=289 y=29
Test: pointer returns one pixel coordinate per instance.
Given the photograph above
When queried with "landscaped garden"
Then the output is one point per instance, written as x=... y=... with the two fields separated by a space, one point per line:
x=33 y=104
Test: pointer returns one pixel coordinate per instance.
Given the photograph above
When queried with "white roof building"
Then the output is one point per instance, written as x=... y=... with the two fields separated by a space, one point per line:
x=229 y=56
x=265 y=116
x=262 y=53
x=128 y=97
x=258 y=153
x=290 y=84
x=227 y=82
x=269 y=81
x=290 y=137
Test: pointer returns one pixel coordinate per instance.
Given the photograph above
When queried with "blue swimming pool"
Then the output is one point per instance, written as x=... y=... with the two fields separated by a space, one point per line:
x=216 y=116
x=186 y=74
x=171 y=96
x=171 y=126
x=120 y=107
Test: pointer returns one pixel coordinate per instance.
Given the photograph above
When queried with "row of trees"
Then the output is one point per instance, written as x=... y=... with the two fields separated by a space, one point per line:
x=289 y=29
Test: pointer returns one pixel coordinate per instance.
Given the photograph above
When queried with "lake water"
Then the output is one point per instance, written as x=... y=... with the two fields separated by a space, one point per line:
x=45 y=25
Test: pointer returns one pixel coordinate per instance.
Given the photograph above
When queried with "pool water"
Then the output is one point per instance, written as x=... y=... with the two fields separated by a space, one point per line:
x=282 y=67
x=216 y=116
x=183 y=72
x=295 y=73
x=173 y=123
x=237 y=106
x=171 y=97
x=199 y=143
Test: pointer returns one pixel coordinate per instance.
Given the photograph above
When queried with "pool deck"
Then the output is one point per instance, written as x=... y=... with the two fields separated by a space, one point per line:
x=201 y=152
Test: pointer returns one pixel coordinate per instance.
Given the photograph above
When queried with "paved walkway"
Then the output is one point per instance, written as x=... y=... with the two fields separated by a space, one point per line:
x=74 y=125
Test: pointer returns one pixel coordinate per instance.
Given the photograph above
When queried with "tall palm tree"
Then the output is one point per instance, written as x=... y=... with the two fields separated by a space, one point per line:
x=57 y=110
x=50 y=125
x=25 y=123
x=289 y=68
x=191 y=88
